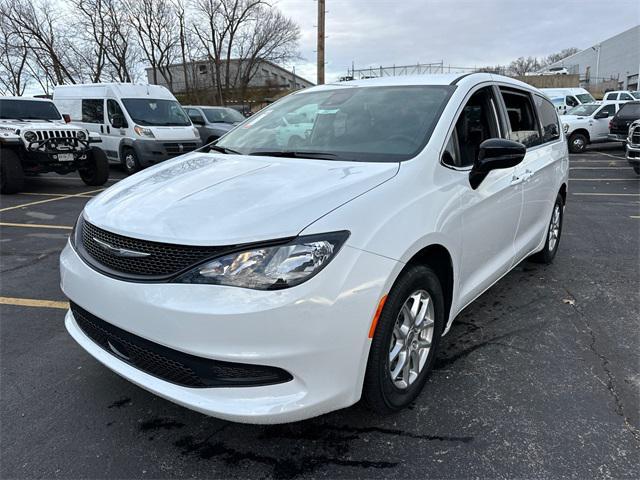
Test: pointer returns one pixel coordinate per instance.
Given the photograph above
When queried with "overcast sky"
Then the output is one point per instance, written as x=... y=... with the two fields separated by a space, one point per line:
x=464 y=33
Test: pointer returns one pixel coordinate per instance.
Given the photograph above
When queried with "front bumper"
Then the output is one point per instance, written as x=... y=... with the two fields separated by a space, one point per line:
x=633 y=154
x=617 y=137
x=150 y=152
x=317 y=332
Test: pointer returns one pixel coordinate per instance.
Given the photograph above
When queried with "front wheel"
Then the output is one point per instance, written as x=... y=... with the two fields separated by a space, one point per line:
x=405 y=341
x=95 y=170
x=577 y=143
x=130 y=161
x=548 y=253
x=11 y=173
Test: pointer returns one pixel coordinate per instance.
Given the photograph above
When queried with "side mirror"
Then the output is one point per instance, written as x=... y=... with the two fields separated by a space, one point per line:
x=117 y=121
x=601 y=115
x=66 y=117
x=495 y=153
x=197 y=121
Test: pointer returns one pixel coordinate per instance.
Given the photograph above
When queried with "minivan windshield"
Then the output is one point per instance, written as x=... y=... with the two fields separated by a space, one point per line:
x=384 y=124
x=222 y=115
x=28 y=110
x=585 y=97
x=583 y=110
x=155 y=112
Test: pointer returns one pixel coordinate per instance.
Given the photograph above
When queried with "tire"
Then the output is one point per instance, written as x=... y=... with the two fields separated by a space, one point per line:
x=380 y=392
x=554 y=232
x=130 y=161
x=636 y=168
x=578 y=143
x=95 y=171
x=11 y=173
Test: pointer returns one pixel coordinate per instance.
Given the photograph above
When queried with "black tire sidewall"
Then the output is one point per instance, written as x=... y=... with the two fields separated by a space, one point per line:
x=96 y=172
x=11 y=172
x=572 y=137
x=126 y=152
x=380 y=392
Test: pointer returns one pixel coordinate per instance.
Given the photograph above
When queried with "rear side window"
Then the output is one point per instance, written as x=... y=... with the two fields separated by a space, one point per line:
x=92 y=111
x=610 y=96
x=548 y=119
x=630 y=110
x=625 y=96
x=524 y=128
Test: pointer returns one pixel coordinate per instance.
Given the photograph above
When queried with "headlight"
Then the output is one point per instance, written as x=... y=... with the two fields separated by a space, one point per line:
x=143 y=132
x=270 y=267
x=196 y=132
x=81 y=135
x=565 y=127
x=30 y=136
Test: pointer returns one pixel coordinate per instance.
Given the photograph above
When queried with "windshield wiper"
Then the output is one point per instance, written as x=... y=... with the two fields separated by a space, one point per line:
x=296 y=154
x=224 y=150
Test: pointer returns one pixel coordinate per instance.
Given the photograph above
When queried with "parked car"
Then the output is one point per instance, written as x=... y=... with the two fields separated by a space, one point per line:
x=555 y=71
x=633 y=146
x=588 y=123
x=35 y=138
x=567 y=98
x=619 y=95
x=622 y=120
x=140 y=125
x=324 y=274
x=213 y=122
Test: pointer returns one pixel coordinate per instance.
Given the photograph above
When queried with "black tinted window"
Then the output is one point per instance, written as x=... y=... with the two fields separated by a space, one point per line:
x=630 y=110
x=610 y=109
x=28 y=109
x=572 y=102
x=548 y=118
x=113 y=109
x=524 y=128
x=93 y=111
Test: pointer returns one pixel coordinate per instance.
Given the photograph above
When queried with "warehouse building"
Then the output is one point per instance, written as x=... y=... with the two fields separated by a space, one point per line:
x=612 y=64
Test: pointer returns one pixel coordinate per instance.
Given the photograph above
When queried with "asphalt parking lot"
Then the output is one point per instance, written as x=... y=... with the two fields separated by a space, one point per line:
x=540 y=377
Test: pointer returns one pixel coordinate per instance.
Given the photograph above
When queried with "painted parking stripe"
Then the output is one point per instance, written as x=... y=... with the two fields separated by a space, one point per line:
x=603 y=180
x=34 y=225
x=599 y=168
x=55 y=199
x=608 y=194
x=40 y=194
x=606 y=154
x=31 y=302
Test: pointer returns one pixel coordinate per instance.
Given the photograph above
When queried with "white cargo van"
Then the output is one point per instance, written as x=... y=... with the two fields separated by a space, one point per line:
x=140 y=125
x=565 y=99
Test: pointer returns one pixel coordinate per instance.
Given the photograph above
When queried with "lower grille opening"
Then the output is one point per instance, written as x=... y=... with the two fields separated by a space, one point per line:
x=172 y=365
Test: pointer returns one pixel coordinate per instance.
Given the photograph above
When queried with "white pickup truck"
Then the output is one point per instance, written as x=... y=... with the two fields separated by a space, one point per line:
x=588 y=123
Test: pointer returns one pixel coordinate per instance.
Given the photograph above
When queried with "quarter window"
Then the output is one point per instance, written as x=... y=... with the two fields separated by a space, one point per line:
x=548 y=119
x=92 y=111
x=524 y=128
x=477 y=122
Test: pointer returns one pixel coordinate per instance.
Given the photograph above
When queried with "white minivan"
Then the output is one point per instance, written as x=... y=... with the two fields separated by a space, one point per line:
x=140 y=125
x=268 y=282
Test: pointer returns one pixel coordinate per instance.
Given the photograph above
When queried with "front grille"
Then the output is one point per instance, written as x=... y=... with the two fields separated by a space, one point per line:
x=635 y=136
x=163 y=260
x=175 y=148
x=47 y=134
x=172 y=365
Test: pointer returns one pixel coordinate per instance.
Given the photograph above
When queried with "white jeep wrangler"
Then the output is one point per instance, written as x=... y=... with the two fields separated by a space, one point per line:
x=34 y=138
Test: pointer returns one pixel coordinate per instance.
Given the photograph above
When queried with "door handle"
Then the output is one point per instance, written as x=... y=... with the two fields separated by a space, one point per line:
x=108 y=129
x=101 y=128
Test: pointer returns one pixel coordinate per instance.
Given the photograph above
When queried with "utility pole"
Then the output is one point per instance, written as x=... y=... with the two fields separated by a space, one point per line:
x=320 y=49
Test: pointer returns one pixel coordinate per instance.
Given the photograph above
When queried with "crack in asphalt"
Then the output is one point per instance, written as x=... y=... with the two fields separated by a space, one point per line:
x=604 y=363
x=38 y=258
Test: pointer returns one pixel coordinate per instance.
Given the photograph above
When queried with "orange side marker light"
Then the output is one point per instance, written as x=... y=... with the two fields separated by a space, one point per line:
x=374 y=323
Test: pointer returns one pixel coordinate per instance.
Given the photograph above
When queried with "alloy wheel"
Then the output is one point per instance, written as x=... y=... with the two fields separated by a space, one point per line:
x=411 y=339
x=554 y=228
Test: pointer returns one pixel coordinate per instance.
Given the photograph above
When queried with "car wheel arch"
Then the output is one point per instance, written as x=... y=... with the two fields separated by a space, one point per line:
x=582 y=131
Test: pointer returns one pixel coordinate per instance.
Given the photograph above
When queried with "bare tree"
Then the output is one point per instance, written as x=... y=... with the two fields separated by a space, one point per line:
x=556 y=57
x=211 y=31
x=38 y=27
x=523 y=65
x=121 y=50
x=157 y=31
x=90 y=46
x=13 y=59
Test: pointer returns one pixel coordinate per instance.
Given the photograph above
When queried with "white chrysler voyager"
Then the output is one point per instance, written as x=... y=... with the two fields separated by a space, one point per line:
x=259 y=283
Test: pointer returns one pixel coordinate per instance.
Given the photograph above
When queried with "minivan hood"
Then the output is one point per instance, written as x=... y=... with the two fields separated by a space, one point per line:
x=217 y=199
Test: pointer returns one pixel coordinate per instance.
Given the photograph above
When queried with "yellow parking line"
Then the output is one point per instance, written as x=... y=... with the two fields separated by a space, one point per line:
x=39 y=194
x=609 y=194
x=49 y=200
x=30 y=302
x=34 y=225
